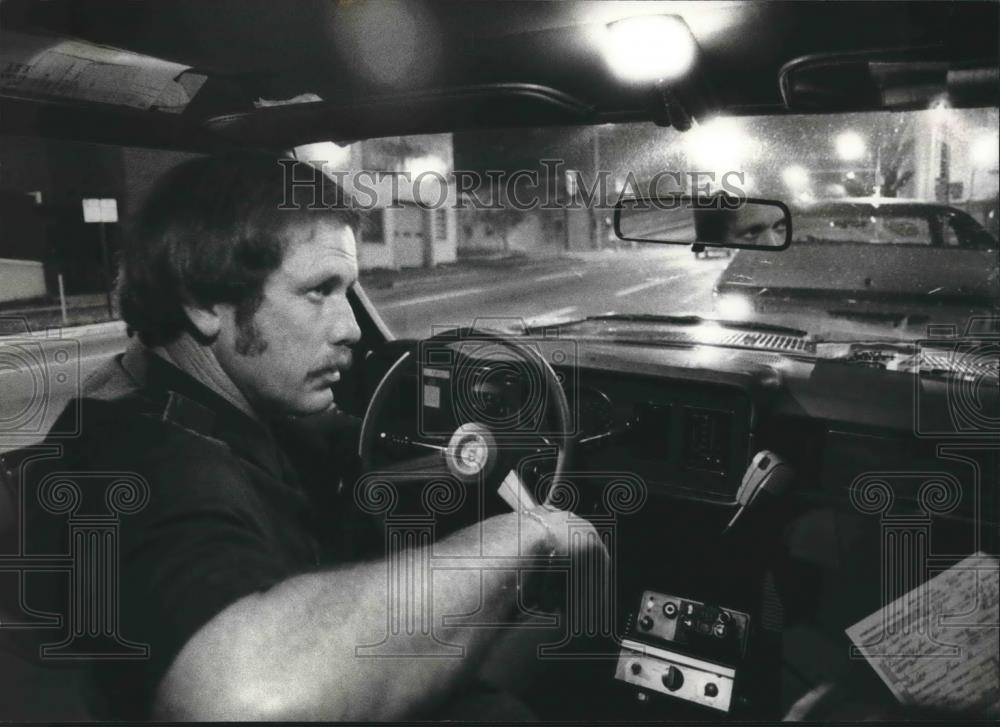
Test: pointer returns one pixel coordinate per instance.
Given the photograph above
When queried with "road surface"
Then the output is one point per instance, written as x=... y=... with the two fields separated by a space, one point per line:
x=39 y=373
x=664 y=280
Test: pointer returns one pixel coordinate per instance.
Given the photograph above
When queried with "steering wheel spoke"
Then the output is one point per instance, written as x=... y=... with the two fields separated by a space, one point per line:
x=395 y=441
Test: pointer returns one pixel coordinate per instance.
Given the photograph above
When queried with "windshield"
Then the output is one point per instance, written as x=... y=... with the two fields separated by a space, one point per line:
x=894 y=224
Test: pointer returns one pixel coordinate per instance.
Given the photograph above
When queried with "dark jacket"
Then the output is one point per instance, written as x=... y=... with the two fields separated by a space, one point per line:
x=172 y=505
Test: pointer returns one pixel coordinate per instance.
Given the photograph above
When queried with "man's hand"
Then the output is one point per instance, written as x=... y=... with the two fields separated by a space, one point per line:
x=568 y=535
x=292 y=652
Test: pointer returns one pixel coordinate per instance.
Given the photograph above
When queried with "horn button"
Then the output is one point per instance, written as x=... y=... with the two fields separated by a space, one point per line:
x=472 y=451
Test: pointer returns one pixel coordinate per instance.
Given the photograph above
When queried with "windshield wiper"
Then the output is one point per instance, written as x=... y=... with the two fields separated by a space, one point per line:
x=694 y=320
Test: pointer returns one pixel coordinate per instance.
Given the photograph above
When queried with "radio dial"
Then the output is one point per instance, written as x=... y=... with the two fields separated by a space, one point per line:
x=673 y=679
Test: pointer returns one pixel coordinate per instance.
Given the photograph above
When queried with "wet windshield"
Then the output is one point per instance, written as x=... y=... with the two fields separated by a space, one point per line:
x=894 y=224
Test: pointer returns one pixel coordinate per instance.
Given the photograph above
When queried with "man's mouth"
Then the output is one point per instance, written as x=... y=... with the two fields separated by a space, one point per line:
x=331 y=373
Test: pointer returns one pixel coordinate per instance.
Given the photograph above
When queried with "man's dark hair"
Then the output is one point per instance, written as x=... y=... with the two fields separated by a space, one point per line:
x=212 y=231
x=713 y=224
x=714 y=216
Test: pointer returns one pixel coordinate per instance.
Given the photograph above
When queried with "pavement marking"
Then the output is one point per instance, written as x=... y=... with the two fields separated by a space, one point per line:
x=429 y=298
x=550 y=317
x=558 y=276
x=651 y=282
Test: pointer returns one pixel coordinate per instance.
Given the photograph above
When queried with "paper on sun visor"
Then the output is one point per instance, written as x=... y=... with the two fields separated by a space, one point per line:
x=41 y=66
x=937 y=645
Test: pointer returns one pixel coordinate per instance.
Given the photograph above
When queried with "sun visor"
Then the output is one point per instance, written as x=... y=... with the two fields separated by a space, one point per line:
x=52 y=68
x=503 y=105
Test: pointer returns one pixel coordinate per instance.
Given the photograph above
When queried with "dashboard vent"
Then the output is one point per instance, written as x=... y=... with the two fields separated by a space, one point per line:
x=968 y=365
x=776 y=342
x=769 y=341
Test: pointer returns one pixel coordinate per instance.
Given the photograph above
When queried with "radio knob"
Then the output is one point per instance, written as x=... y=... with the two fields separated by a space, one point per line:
x=672 y=679
x=711 y=690
x=646 y=623
x=670 y=609
x=635 y=667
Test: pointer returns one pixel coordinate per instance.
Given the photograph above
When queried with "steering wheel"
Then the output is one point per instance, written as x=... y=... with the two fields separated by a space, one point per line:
x=484 y=405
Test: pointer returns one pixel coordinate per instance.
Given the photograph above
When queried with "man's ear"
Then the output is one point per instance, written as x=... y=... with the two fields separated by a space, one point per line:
x=205 y=319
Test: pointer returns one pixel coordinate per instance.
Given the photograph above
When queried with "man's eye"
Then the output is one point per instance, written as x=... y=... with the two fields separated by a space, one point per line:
x=322 y=290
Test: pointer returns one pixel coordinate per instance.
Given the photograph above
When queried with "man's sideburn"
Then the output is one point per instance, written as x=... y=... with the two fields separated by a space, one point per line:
x=249 y=340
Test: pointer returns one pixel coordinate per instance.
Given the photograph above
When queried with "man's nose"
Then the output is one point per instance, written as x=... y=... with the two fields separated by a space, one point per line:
x=344 y=329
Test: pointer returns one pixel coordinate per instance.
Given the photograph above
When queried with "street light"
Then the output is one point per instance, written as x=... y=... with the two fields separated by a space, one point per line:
x=850 y=146
x=795 y=176
x=986 y=150
x=984 y=154
x=719 y=145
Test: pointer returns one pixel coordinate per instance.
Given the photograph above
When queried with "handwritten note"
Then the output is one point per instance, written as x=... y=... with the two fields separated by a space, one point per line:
x=938 y=645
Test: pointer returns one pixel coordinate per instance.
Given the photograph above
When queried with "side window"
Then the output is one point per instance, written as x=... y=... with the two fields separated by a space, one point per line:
x=963 y=231
x=949 y=235
x=902 y=230
x=856 y=226
x=60 y=233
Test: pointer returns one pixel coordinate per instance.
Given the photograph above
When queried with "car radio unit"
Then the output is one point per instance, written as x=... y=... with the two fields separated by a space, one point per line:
x=685 y=649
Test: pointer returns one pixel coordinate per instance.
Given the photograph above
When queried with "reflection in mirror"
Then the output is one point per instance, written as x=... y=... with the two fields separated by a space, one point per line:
x=713 y=221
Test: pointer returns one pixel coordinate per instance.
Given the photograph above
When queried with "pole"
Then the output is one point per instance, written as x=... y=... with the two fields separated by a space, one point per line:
x=107 y=268
x=62 y=299
x=878 y=170
x=565 y=213
x=595 y=212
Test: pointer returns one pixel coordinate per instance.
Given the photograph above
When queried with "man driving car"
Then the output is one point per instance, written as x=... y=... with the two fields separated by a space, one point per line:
x=240 y=318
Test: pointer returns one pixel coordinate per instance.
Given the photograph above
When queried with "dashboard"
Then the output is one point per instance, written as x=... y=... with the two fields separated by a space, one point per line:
x=688 y=420
x=873 y=448
x=689 y=440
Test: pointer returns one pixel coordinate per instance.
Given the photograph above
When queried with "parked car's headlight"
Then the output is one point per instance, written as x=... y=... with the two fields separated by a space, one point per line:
x=733 y=306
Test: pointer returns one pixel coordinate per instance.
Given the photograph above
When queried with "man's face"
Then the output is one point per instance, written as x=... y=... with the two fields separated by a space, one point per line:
x=758 y=224
x=286 y=357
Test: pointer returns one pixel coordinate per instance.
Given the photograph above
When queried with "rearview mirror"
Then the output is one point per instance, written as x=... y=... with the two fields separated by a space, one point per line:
x=713 y=221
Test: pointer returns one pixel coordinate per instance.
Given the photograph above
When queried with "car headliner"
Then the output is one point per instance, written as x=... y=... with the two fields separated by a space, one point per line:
x=477 y=65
